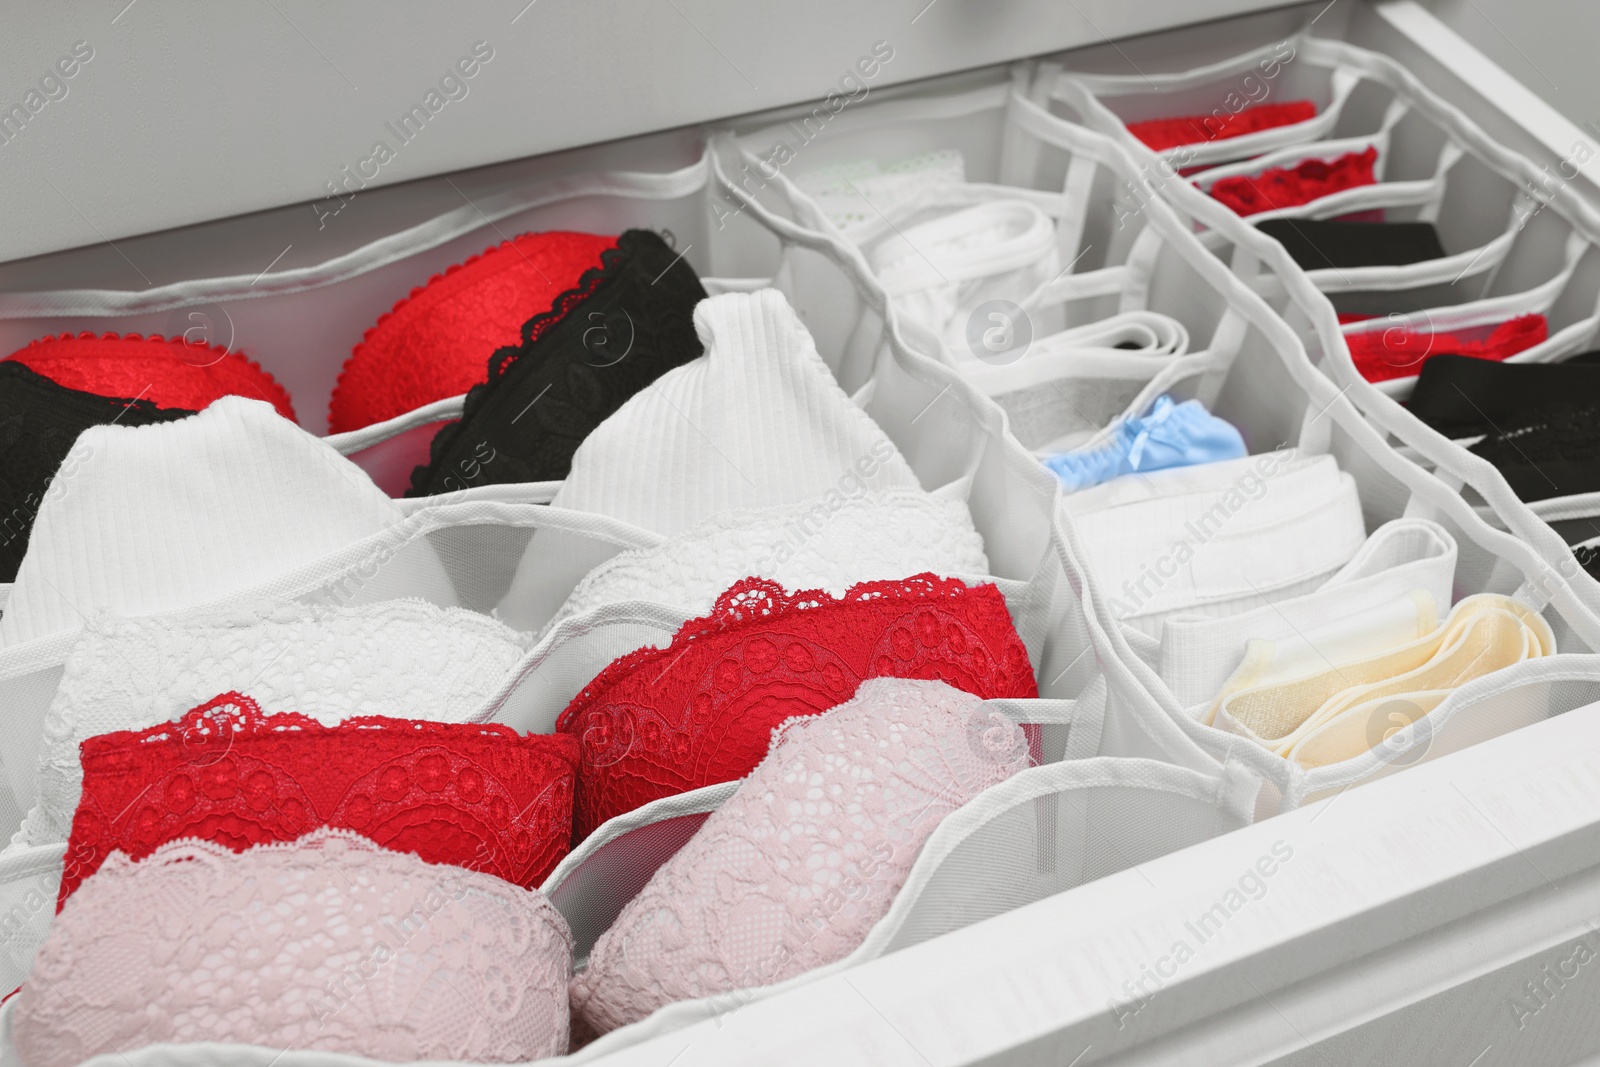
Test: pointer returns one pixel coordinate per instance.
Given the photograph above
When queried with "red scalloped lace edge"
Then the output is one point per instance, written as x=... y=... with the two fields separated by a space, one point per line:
x=156 y=338
x=418 y=291
x=1247 y=127
x=725 y=617
x=1504 y=341
x=255 y=723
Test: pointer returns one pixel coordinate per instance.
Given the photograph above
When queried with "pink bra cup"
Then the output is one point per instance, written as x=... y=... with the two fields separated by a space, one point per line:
x=808 y=854
x=327 y=942
x=479 y=796
x=662 y=721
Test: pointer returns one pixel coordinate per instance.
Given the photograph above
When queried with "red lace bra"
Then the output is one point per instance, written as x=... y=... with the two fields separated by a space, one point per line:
x=1308 y=180
x=172 y=373
x=436 y=343
x=1162 y=134
x=479 y=796
x=1381 y=354
x=661 y=721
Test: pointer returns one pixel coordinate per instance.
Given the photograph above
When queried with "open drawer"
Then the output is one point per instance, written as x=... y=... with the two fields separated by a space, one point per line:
x=1434 y=916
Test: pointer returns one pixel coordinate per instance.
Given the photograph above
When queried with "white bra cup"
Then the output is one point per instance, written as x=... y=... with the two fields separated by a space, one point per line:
x=143 y=519
x=399 y=658
x=756 y=422
x=829 y=544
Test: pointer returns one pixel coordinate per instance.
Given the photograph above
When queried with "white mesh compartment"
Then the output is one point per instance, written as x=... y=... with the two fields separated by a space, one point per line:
x=1549 y=265
x=1516 y=243
x=1269 y=389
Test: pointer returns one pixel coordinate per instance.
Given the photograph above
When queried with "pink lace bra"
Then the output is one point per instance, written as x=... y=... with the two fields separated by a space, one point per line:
x=796 y=867
x=327 y=942
x=662 y=721
x=480 y=796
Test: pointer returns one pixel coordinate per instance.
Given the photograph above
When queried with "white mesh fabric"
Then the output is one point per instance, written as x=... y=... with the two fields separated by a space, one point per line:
x=1556 y=574
x=401 y=658
x=853 y=193
x=1270 y=392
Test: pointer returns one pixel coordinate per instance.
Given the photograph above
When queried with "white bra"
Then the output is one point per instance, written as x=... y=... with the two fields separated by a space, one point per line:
x=756 y=422
x=143 y=519
x=831 y=544
x=401 y=658
x=1220 y=538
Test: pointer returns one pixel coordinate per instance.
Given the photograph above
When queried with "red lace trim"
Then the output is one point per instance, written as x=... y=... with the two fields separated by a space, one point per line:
x=658 y=722
x=1162 y=134
x=436 y=342
x=479 y=796
x=1398 y=353
x=1308 y=180
x=169 y=373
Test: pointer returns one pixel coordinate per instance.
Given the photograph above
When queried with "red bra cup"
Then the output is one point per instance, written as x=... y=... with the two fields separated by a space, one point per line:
x=436 y=343
x=662 y=721
x=1399 y=353
x=169 y=373
x=475 y=795
x=1308 y=180
x=1162 y=134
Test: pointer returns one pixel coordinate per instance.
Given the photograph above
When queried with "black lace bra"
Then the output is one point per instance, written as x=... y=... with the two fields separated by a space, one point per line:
x=1464 y=397
x=39 y=422
x=625 y=324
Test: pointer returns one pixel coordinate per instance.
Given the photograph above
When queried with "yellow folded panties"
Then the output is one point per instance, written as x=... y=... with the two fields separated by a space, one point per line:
x=1339 y=712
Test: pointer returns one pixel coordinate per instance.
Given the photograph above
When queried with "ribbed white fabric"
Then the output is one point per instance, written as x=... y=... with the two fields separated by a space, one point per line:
x=1218 y=539
x=151 y=518
x=831 y=544
x=1350 y=617
x=401 y=658
x=758 y=421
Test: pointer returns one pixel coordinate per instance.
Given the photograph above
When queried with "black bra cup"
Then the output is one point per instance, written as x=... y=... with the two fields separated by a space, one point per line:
x=625 y=323
x=1463 y=397
x=1318 y=244
x=39 y=423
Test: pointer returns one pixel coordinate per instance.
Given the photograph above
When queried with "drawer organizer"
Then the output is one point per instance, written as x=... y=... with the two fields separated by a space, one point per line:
x=914 y=240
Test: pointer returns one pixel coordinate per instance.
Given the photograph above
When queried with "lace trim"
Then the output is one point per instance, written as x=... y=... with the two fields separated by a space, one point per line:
x=1308 y=180
x=633 y=248
x=662 y=721
x=1397 y=353
x=1162 y=134
x=1563 y=433
x=476 y=795
x=239 y=373
x=326 y=942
